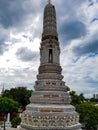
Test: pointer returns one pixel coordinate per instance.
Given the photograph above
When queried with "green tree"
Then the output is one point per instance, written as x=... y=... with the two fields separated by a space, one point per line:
x=15 y=121
x=88 y=115
x=20 y=94
x=76 y=99
x=8 y=105
x=94 y=100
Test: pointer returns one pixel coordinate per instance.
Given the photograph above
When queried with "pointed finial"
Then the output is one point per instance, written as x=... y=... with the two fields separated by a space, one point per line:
x=49 y=1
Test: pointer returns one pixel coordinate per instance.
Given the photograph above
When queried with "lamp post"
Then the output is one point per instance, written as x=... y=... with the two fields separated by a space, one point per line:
x=4 y=122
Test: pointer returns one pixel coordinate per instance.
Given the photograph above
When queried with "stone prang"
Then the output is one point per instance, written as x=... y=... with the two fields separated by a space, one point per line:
x=49 y=107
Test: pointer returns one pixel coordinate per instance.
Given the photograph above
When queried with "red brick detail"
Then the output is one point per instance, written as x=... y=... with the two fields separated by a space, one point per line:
x=45 y=111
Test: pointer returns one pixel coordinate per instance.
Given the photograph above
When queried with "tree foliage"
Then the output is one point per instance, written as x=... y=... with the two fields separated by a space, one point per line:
x=87 y=110
x=15 y=121
x=8 y=105
x=94 y=100
x=76 y=99
x=20 y=94
x=88 y=115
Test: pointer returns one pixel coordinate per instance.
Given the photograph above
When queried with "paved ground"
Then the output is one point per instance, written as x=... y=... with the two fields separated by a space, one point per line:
x=9 y=129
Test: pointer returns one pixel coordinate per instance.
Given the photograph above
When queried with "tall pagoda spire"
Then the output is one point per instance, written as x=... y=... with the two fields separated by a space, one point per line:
x=49 y=107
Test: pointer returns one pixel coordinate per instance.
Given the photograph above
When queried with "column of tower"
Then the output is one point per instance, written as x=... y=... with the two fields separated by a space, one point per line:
x=49 y=107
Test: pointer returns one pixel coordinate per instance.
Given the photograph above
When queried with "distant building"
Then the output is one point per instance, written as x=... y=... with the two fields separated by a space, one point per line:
x=2 y=92
x=95 y=96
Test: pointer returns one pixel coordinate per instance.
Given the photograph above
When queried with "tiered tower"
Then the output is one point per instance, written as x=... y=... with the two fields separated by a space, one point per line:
x=50 y=107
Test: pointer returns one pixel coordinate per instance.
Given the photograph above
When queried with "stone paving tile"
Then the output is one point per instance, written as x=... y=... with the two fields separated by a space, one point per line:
x=9 y=129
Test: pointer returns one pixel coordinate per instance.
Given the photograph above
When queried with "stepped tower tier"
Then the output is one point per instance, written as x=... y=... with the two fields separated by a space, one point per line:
x=49 y=107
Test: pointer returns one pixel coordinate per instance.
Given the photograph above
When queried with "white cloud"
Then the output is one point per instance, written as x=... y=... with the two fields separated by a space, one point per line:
x=23 y=31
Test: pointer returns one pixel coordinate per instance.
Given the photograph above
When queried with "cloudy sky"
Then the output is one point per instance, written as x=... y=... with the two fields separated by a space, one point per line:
x=20 y=37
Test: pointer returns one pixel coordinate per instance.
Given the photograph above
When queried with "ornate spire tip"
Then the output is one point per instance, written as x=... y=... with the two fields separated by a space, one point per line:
x=49 y=1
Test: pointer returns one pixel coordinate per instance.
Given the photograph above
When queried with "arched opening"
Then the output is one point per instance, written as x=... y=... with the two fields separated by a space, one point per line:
x=50 y=56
